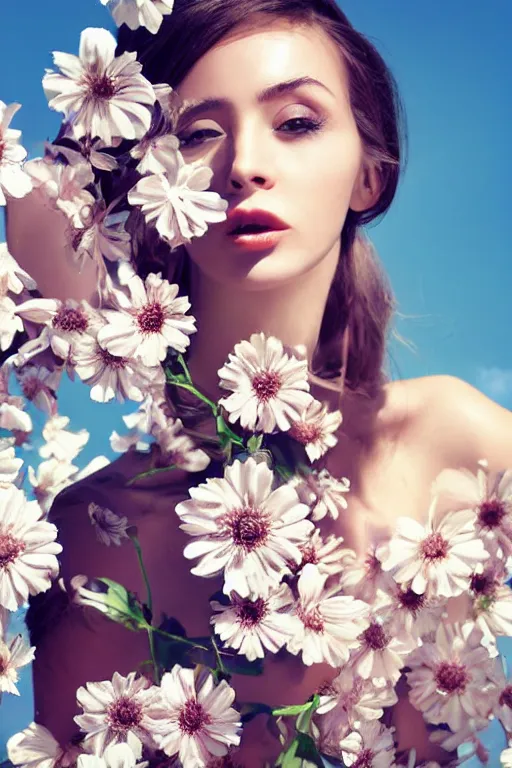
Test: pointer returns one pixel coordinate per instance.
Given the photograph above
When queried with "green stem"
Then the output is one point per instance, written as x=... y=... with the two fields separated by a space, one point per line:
x=191 y=388
x=149 y=603
x=179 y=639
x=150 y=473
x=220 y=664
x=181 y=361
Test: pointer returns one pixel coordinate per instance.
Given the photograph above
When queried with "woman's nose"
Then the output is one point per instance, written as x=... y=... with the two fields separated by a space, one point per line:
x=251 y=164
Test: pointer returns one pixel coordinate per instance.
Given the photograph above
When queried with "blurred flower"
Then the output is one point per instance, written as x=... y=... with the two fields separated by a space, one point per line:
x=140 y=13
x=64 y=185
x=372 y=746
x=322 y=492
x=17 y=278
x=61 y=443
x=328 y=555
x=316 y=429
x=13 y=180
x=178 y=448
x=13 y=656
x=9 y=464
x=51 y=477
x=110 y=528
x=35 y=747
x=158 y=154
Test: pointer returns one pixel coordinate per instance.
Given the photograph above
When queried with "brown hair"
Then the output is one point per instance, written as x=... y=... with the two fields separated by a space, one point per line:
x=360 y=304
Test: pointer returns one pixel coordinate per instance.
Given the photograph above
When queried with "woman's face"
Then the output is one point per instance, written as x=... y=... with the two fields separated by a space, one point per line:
x=297 y=154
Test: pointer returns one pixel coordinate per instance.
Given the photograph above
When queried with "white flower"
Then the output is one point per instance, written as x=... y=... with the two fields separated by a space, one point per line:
x=506 y=758
x=65 y=321
x=250 y=625
x=27 y=549
x=449 y=680
x=381 y=655
x=327 y=624
x=155 y=321
x=437 y=557
x=178 y=202
x=502 y=706
x=322 y=492
x=115 y=756
x=158 y=154
x=14 y=419
x=414 y=615
x=363 y=576
x=121 y=710
x=10 y=323
x=35 y=747
x=101 y=235
x=17 y=278
x=488 y=495
x=13 y=656
x=179 y=449
x=244 y=528
x=13 y=180
x=9 y=464
x=270 y=388
x=329 y=556
x=39 y=385
x=371 y=746
x=492 y=600
x=64 y=185
x=316 y=429
x=466 y=735
x=110 y=528
x=100 y=95
x=199 y=719
x=51 y=478
x=140 y=13
x=61 y=443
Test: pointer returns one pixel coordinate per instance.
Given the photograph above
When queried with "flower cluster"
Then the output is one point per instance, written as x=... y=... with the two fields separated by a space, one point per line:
x=263 y=525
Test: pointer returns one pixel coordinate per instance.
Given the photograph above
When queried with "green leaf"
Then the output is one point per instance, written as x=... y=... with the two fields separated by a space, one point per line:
x=254 y=443
x=115 y=601
x=294 y=709
x=303 y=723
x=250 y=711
x=302 y=753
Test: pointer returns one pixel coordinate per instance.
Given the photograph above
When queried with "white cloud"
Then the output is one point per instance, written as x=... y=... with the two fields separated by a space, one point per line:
x=496 y=383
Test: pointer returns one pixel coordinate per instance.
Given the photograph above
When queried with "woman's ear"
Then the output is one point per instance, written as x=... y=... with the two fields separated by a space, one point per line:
x=367 y=188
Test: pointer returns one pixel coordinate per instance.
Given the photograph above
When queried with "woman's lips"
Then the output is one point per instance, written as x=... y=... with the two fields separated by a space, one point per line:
x=257 y=241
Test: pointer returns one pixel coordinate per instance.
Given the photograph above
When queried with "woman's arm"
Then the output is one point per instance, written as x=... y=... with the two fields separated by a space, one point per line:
x=37 y=237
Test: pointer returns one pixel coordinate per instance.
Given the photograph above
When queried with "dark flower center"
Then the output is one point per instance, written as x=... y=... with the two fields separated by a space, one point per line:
x=375 y=637
x=491 y=513
x=249 y=528
x=483 y=584
x=151 y=318
x=68 y=320
x=3 y=665
x=193 y=717
x=3 y=145
x=434 y=547
x=309 y=555
x=10 y=549
x=506 y=697
x=112 y=361
x=311 y=620
x=451 y=677
x=411 y=601
x=364 y=759
x=266 y=385
x=101 y=87
x=124 y=714
x=305 y=433
x=251 y=613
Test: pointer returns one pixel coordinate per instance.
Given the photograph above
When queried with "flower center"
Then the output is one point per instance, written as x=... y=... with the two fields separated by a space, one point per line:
x=10 y=549
x=434 y=547
x=111 y=361
x=3 y=145
x=100 y=87
x=68 y=320
x=193 y=717
x=491 y=513
x=311 y=620
x=451 y=677
x=249 y=528
x=266 y=385
x=364 y=759
x=506 y=697
x=250 y=613
x=375 y=637
x=124 y=714
x=483 y=584
x=309 y=555
x=305 y=433
x=151 y=318
x=411 y=601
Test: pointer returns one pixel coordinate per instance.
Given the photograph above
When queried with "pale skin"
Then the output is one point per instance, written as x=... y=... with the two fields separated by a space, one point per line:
x=391 y=448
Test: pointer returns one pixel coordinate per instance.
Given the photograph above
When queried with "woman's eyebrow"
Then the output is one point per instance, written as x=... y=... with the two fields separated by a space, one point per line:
x=193 y=107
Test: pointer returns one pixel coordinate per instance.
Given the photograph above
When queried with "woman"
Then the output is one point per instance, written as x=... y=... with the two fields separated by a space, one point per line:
x=297 y=115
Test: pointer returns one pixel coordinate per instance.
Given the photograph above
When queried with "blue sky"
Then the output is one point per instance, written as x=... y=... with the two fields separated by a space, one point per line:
x=445 y=241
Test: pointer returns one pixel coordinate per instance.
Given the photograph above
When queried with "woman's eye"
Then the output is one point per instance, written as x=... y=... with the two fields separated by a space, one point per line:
x=197 y=137
x=301 y=125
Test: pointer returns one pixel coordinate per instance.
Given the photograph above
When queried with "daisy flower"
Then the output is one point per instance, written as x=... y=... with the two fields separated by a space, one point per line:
x=438 y=557
x=28 y=549
x=506 y=758
x=250 y=625
x=450 y=678
x=39 y=386
x=316 y=429
x=491 y=600
x=244 y=528
x=488 y=495
x=64 y=185
x=322 y=492
x=414 y=615
x=270 y=388
x=101 y=235
x=502 y=705
x=65 y=322
x=115 y=756
x=13 y=656
x=10 y=323
x=157 y=154
x=50 y=478
x=99 y=94
x=110 y=528
x=179 y=449
x=178 y=201
x=371 y=746
x=140 y=13
x=35 y=747
x=155 y=321
x=327 y=624
x=197 y=719
x=363 y=576
x=17 y=278
x=329 y=556
x=380 y=655
x=61 y=443
x=468 y=734
x=13 y=180
x=9 y=464
x=118 y=711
